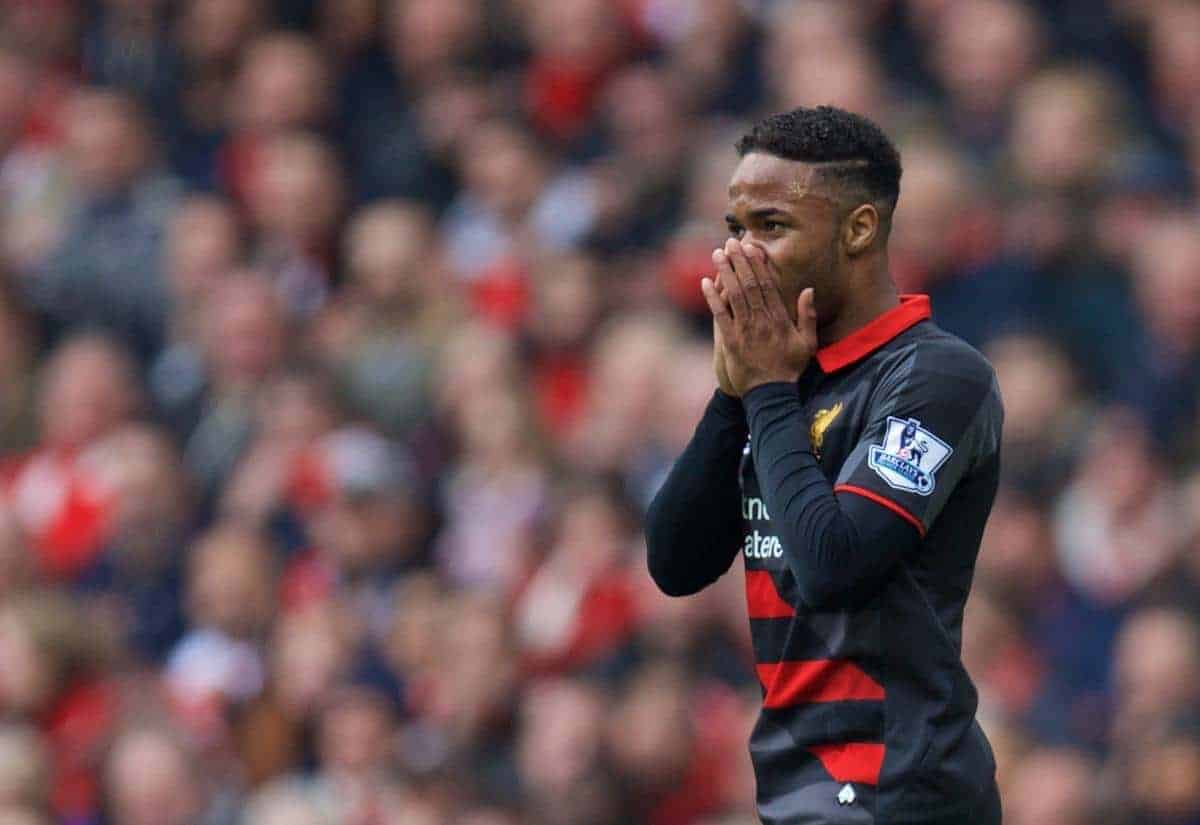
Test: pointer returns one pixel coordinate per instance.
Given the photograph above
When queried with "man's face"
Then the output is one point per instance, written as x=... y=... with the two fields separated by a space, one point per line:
x=783 y=207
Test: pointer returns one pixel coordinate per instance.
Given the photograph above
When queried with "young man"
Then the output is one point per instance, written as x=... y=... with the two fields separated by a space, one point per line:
x=851 y=457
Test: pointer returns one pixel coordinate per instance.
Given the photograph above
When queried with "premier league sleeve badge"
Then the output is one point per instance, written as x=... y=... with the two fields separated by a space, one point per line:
x=909 y=456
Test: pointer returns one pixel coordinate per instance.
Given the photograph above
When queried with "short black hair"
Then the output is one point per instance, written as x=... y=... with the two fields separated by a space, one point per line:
x=858 y=152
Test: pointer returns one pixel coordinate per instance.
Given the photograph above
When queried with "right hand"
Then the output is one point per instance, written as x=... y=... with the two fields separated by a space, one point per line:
x=719 y=353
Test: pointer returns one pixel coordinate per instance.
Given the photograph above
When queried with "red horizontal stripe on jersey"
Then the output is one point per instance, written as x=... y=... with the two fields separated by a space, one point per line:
x=762 y=599
x=816 y=680
x=851 y=761
x=883 y=501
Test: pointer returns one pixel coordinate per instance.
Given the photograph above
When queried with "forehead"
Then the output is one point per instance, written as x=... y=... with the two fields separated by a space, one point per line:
x=760 y=178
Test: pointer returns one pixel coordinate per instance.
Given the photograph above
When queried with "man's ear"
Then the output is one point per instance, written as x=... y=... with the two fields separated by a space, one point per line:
x=860 y=229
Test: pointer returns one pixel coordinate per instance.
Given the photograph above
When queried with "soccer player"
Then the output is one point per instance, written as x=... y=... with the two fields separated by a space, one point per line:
x=850 y=456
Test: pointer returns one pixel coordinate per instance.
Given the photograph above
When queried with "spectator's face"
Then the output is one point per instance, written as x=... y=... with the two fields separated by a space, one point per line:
x=560 y=739
x=428 y=36
x=149 y=782
x=16 y=568
x=246 y=332
x=450 y=109
x=23 y=768
x=49 y=29
x=1016 y=555
x=1167 y=266
x=106 y=143
x=295 y=193
x=566 y=301
x=1009 y=746
x=211 y=31
x=1174 y=52
x=16 y=346
x=230 y=587
x=487 y=816
x=142 y=470
x=936 y=199
x=88 y=391
x=283 y=84
x=629 y=362
x=285 y=805
x=17 y=815
x=1052 y=786
x=16 y=89
x=1157 y=665
x=645 y=117
x=347 y=26
x=477 y=666
x=355 y=736
x=649 y=733
x=592 y=537
x=135 y=7
x=364 y=532
x=502 y=170
x=847 y=76
x=476 y=361
x=389 y=250
x=26 y=676
x=686 y=390
x=672 y=627
x=1037 y=386
x=812 y=27
x=1131 y=479
x=1164 y=781
x=982 y=50
x=294 y=410
x=415 y=638
x=309 y=659
x=581 y=31
x=493 y=428
x=1063 y=130
x=989 y=629
x=202 y=245
x=782 y=207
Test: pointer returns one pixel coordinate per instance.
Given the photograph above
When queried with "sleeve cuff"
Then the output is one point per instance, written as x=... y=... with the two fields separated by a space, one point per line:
x=728 y=406
x=765 y=394
x=765 y=404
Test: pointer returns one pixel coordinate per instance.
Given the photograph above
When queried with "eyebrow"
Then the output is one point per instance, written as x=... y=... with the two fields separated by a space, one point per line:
x=764 y=212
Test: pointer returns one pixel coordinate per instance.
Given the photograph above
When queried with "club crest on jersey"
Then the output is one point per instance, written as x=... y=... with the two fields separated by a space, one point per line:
x=820 y=423
x=909 y=456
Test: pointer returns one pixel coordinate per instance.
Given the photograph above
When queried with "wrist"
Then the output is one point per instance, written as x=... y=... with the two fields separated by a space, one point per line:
x=757 y=381
x=728 y=405
x=769 y=390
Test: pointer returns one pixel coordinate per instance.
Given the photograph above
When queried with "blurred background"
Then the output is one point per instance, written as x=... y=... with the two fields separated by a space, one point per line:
x=343 y=343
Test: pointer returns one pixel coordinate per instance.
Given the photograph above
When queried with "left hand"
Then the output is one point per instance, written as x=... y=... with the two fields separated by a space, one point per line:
x=762 y=342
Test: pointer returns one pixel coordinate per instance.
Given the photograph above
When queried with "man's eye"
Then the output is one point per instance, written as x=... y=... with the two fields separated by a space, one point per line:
x=772 y=226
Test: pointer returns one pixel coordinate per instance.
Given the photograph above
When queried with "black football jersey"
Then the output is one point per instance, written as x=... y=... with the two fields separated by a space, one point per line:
x=868 y=713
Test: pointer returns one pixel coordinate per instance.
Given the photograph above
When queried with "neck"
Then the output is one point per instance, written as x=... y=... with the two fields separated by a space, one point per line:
x=874 y=294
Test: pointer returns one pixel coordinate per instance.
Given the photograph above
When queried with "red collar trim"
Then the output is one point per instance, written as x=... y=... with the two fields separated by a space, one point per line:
x=865 y=340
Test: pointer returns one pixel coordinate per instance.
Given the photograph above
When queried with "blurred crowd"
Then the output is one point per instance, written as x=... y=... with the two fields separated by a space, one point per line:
x=343 y=343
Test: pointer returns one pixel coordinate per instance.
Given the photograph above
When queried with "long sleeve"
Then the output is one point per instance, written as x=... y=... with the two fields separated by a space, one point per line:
x=693 y=526
x=839 y=547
